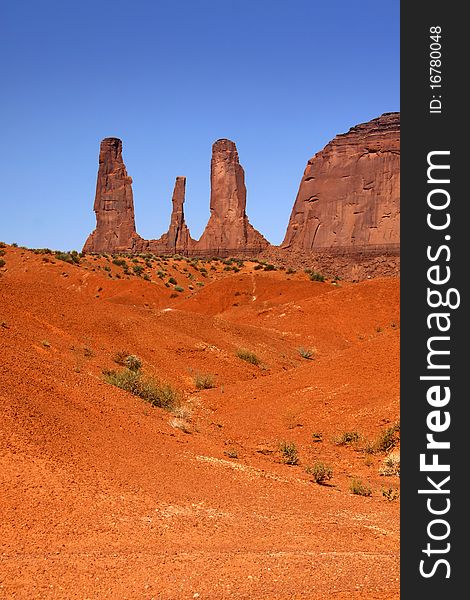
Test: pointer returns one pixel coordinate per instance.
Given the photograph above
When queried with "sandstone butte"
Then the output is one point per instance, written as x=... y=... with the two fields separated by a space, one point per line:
x=349 y=195
x=349 y=198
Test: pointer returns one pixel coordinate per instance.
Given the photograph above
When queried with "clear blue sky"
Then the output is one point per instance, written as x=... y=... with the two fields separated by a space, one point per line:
x=280 y=78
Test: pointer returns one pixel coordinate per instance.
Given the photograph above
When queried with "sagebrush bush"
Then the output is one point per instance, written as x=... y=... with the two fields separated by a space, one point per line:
x=68 y=257
x=390 y=494
x=316 y=277
x=387 y=439
x=133 y=362
x=204 y=381
x=360 y=489
x=2 y=262
x=248 y=356
x=149 y=389
x=119 y=262
x=347 y=438
x=306 y=353
x=290 y=455
x=391 y=464
x=320 y=472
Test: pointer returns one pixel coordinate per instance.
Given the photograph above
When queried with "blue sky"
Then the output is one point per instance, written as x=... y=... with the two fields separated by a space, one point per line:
x=169 y=78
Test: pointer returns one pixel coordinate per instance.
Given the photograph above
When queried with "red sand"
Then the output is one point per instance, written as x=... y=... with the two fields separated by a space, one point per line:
x=103 y=496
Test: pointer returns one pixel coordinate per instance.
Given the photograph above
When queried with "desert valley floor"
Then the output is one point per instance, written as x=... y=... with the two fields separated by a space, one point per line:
x=105 y=496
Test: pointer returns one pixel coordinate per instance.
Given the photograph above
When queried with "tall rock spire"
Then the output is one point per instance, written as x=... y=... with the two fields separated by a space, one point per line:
x=114 y=206
x=228 y=228
x=179 y=238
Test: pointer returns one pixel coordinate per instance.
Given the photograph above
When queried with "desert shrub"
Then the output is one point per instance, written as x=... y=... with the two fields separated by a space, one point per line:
x=119 y=262
x=360 y=489
x=320 y=472
x=69 y=257
x=391 y=464
x=149 y=389
x=269 y=268
x=107 y=268
x=316 y=276
x=347 y=438
x=248 y=356
x=178 y=288
x=290 y=455
x=204 y=381
x=317 y=436
x=172 y=280
x=146 y=277
x=138 y=269
x=2 y=252
x=387 y=439
x=3 y=245
x=258 y=267
x=2 y=263
x=290 y=271
x=306 y=353
x=390 y=494
x=133 y=363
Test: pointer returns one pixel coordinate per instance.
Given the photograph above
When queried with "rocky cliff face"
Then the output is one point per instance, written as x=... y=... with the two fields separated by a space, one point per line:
x=228 y=228
x=114 y=204
x=350 y=191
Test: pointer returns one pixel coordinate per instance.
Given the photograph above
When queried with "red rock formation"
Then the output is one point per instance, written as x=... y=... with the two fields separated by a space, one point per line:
x=178 y=239
x=114 y=205
x=178 y=233
x=228 y=229
x=350 y=192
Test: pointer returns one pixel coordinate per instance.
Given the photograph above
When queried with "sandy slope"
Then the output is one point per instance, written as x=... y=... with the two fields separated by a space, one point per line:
x=103 y=496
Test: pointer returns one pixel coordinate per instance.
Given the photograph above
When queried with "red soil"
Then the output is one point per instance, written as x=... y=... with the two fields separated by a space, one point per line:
x=103 y=496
